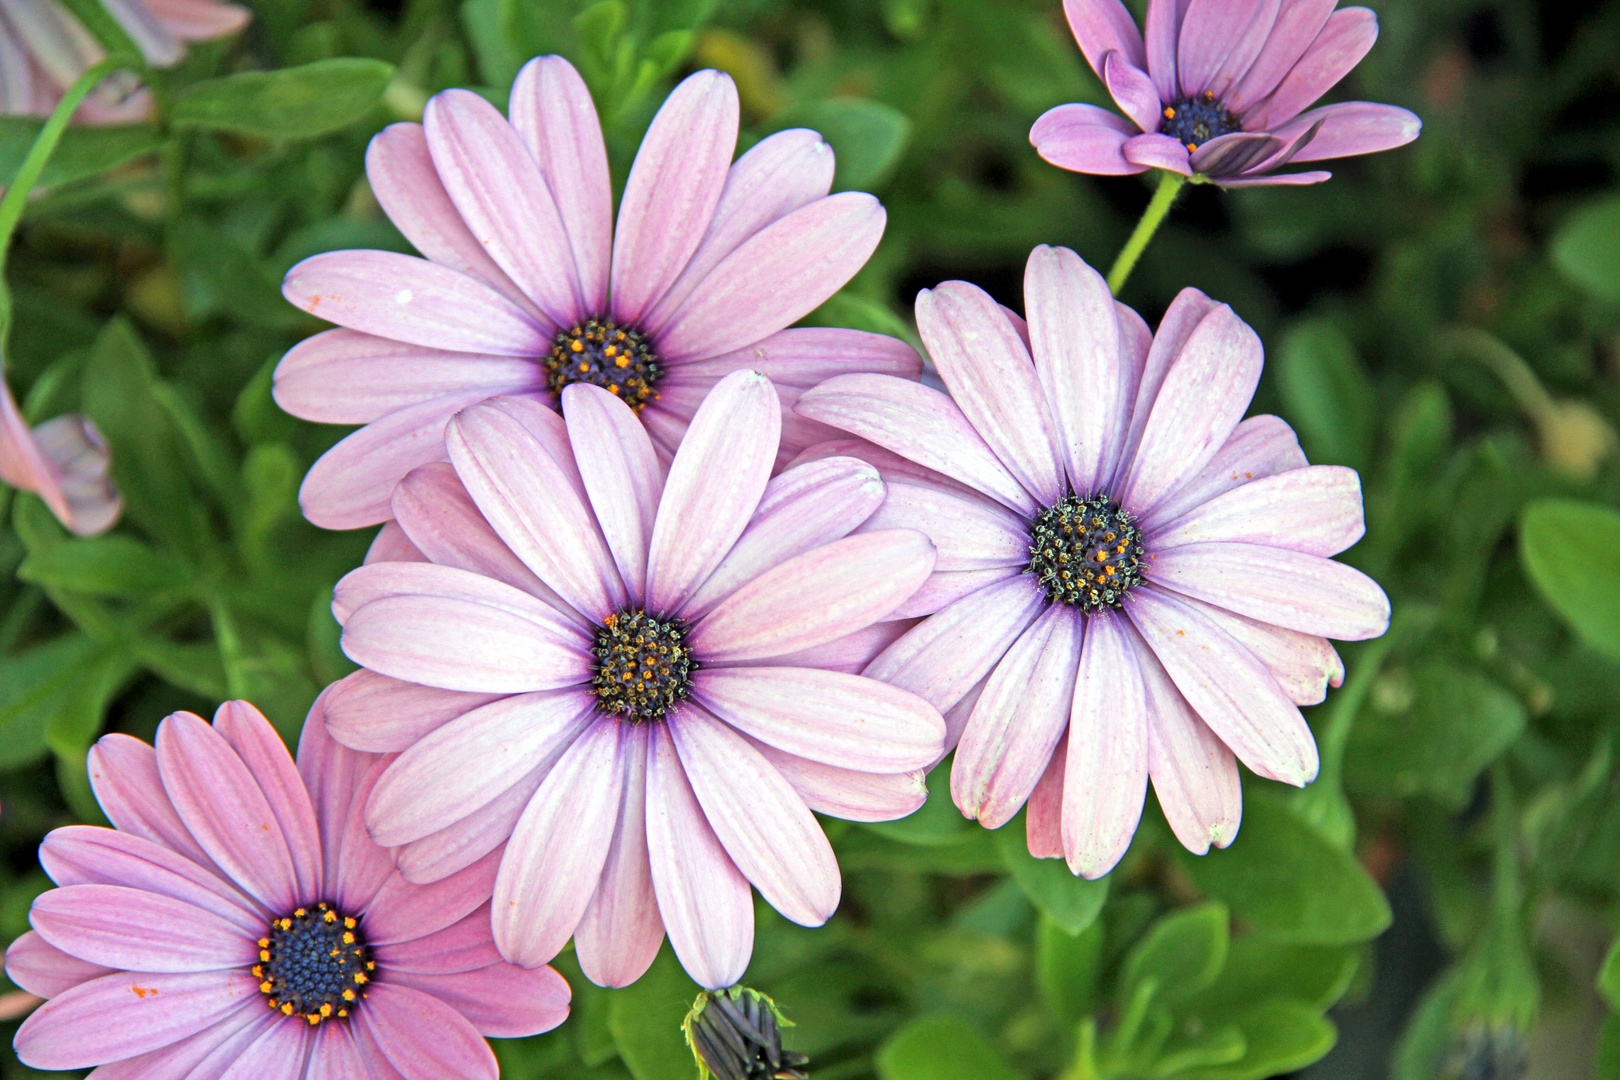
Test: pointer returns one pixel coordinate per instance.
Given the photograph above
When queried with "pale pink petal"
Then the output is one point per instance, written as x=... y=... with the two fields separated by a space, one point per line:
x=827 y=716
x=1219 y=40
x=1352 y=127
x=1161 y=30
x=1287 y=588
x=1315 y=510
x=1021 y=714
x=1106 y=770
x=849 y=654
x=781 y=173
x=403 y=910
x=124 y=776
x=413 y=300
x=956 y=717
x=1186 y=311
x=464 y=945
x=1084 y=138
x=1205 y=393
x=969 y=532
x=765 y=827
x=704 y=900
x=1343 y=40
x=496 y=185
x=64 y=461
x=458 y=846
x=1227 y=687
x=407 y=185
x=945 y=588
x=199 y=20
x=807 y=356
x=777 y=276
x=1156 y=151
x=265 y=755
x=384 y=580
x=555 y=857
x=672 y=191
x=992 y=379
x=514 y=478
x=1075 y=337
x=502 y=1001
x=1103 y=26
x=277 y=1054
x=715 y=484
x=1043 y=818
x=459 y=768
x=425 y=1038
x=334 y=1055
x=1303 y=665
x=1132 y=90
x=44 y=970
x=392 y=545
x=126 y=1014
x=89 y=855
x=346 y=377
x=816 y=597
x=1285 y=179
x=362 y=868
x=203 y=1056
x=618 y=936
x=1260 y=446
x=372 y=712
x=621 y=473
x=946 y=654
x=848 y=793
x=1194 y=775
x=553 y=113
x=1298 y=23
x=919 y=424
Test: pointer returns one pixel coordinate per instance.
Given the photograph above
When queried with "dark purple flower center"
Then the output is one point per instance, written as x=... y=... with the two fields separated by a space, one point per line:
x=1196 y=120
x=602 y=353
x=643 y=665
x=1086 y=553
x=314 y=963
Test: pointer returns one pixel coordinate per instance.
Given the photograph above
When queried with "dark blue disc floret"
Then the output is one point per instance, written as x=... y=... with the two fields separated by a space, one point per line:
x=1196 y=120
x=1086 y=553
x=617 y=358
x=643 y=665
x=314 y=963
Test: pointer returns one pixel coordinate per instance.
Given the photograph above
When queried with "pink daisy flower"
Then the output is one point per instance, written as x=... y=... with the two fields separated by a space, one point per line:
x=64 y=461
x=646 y=682
x=238 y=922
x=44 y=49
x=1219 y=88
x=1124 y=562
x=527 y=286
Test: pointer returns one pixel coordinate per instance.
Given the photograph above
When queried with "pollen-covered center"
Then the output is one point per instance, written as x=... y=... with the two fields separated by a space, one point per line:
x=643 y=665
x=602 y=353
x=1086 y=552
x=314 y=963
x=1196 y=120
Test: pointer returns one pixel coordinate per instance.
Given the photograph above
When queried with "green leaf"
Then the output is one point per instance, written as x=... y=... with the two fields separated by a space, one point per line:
x=83 y=151
x=1571 y=551
x=936 y=822
x=1455 y=722
x=78 y=717
x=105 y=566
x=645 y=1018
x=1279 y=1036
x=1608 y=980
x=293 y=103
x=1069 y=901
x=868 y=137
x=941 y=1047
x=1587 y=248
x=1287 y=882
x=33 y=685
x=1184 y=951
x=1068 y=968
x=1258 y=968
x=1326 y=395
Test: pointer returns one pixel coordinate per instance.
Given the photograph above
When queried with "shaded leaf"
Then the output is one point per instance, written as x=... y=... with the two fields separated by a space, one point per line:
x=1571 y=551
x=293 y=103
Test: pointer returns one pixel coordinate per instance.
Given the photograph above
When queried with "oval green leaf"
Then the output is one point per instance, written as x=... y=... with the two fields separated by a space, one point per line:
x=1571 y=552
x=293 y=103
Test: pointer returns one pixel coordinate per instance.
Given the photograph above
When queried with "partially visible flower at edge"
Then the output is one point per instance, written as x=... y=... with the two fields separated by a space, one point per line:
x=64 y=461
x=1133 y=581
x=736 y=1034
x=527 y=285
x=238 y=921
x=1219 y=89
x=642 y=685
x=44 y=49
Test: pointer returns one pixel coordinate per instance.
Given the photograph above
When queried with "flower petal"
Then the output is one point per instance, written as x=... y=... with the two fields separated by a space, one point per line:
x=765 y=827
x=1343 y=39
x=555 y=857
x=1104 y=26
x=618 y=937
x=1298 y=23
x=847 y=793
x=1235 y=153
x=1303 y=665
x=89 y=855
x=1260 y=446
x=1106 y=771
x=1021 y=714
x=1315 y=510
x=136 y=930
x=1227 y=687
x=207 y=1055
x=714 y=487
x=456 y=847
x=1186 y=311
x=849 y=654
x=44 y=970
x=1132 y=90
x=1294 y=179
x=809 y=355
x=672 y=191
x=1219 y=40
x=704 y=900
x=1157 y=151
x=1086 y=139
x=1194 y=775
x=424 y=1038
x=124 y=776
x=621 y=473
x=371 y=712
x=1043 y=818
x=1287 y=588
x=969 y=532
x=266 y=757
x=1352 y=127
x=503 y=1001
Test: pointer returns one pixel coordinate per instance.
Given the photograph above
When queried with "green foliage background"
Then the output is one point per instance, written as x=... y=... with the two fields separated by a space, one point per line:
x=1445 y=318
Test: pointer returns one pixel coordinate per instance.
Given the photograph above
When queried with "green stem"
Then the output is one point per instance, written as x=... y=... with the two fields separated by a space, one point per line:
x=16 y=197
x=1170 y=185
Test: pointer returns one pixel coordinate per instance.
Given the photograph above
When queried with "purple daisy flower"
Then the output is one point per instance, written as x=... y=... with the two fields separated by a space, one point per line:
x=64 y=461
x=1219 y=88
x=646 y=682
x=527 y=286
x=1123 y=560
x=238 y=922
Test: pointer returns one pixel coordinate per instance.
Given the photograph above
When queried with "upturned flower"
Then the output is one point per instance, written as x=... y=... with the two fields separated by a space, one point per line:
x=643 y=684
x=1132 y=581
x=64 y=461
x=1220 y=88
x=527 y=285
x=44 y=49
x=238 y=921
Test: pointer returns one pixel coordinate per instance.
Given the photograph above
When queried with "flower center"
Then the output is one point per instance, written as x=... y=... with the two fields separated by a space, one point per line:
x=643 y=665
x=314 y=963
x=1196 y=120
x=1086 y=552
x=602 y=353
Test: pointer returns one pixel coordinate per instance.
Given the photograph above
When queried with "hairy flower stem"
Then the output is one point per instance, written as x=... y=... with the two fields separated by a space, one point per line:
x=11 y=207
x=1170 y=185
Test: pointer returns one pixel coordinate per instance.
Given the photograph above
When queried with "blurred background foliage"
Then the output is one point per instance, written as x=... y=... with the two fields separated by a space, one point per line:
x=1445 y=318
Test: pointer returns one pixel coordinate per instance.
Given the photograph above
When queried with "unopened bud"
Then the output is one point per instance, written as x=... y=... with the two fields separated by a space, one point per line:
x=736 y=1034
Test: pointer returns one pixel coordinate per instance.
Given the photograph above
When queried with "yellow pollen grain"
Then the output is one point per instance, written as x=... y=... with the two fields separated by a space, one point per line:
x=1192 y=148
x=264 y=954
x=330 y=916
x=266 y=987
x=611 y=350
x=300 y=912
x=577 y=345
x=350 y=923
x=1169 y=113
x=348 y=939
x=264 y=943
x=286 y=1008
x=326 y=1009
x=313 y=1018
x=348 y=995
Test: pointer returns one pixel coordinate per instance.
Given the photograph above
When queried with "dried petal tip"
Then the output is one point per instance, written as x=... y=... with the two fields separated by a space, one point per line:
x=736 y=1034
